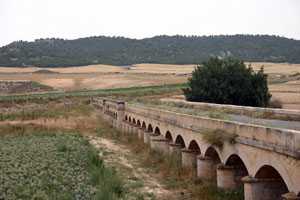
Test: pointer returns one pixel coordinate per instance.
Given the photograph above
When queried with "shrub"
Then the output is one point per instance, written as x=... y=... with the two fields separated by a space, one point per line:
x=228 y=81
x=218 y=137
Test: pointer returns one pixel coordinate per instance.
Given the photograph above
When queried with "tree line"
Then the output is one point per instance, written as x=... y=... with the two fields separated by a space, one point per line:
x=52 y=52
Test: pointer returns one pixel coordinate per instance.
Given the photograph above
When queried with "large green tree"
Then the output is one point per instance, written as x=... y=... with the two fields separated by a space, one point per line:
x=228 y=81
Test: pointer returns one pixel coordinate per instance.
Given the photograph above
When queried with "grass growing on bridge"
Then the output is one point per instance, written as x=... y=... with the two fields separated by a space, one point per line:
x=218 y=137
x=49 y=165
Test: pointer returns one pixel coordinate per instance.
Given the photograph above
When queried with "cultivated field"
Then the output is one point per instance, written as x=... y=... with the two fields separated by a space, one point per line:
x=284 y=78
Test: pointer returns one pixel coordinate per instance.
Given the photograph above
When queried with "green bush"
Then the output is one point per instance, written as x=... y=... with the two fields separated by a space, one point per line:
x=228 y=81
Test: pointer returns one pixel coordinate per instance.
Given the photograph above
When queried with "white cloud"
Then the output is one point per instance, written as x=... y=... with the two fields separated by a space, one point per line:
x=31 y=19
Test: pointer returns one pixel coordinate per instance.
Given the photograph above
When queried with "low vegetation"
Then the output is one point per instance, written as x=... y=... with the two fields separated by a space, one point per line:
x=48 y=111
x=218 y=137
x=125 y=93
x=51 y=165
x=169 y=170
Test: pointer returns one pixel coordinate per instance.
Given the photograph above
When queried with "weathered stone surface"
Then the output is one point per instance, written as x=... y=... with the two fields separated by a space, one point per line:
x=206 y=168
x=256 y=146
x=189 y=158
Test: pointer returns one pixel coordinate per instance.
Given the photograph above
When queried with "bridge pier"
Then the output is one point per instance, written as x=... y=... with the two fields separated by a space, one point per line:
x=128 y=125
x=290 y=196
x=147 y=137
x=124 y=127
x=131 y=129
x=135 y=129
x=189 y=158
x=175 y=153
x=264 y=189
x=206 y=168
x=226 y=177
x=174 y=149
x=140 y=133
x=159 y=144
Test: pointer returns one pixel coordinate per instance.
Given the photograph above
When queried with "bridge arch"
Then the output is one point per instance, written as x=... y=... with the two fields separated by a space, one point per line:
x=193 y=146
x=138 y=123
x=240 y=169
x=212 y=153
x=168 y=136
x=129 y=119
x=280 y=168
x=126 y=118
x=157 y=131
x=277 y=185
x=133 y=121
x=179 y=140
x=144 y=126
x=150 y=128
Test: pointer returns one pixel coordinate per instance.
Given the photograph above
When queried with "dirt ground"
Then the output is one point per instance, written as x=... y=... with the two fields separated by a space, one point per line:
x=107 y=76
x=139 y=180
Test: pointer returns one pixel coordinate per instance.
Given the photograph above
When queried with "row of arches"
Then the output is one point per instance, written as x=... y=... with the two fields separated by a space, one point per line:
x=265 y=172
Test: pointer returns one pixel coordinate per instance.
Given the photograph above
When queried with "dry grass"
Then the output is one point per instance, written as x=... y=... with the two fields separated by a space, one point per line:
x=162 y=68
x=285 y=89
x=96 y=81
x=277 y=68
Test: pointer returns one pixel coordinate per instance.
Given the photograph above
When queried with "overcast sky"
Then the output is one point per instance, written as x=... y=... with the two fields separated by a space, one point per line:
x=70 y=19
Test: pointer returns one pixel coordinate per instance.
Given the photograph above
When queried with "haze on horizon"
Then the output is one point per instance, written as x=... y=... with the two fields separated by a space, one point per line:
x=70 y=19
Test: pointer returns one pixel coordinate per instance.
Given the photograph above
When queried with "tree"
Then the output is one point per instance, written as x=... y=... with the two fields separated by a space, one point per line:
x=228 y=81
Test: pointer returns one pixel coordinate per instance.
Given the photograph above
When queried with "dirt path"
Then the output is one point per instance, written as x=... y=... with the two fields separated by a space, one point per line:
x=140 y=182
x=139 y=179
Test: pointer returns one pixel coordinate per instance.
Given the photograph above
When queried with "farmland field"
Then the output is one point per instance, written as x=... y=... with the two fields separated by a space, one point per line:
x=62 y=149
x=49 y=166
x=283 y=77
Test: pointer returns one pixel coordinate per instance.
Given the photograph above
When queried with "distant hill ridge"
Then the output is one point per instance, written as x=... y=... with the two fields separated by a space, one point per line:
x=160 y=49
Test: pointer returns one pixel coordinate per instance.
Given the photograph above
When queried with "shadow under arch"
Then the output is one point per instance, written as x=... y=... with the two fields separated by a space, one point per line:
x=179 y=140
x=240 y=169
x=133 y=121
x=168 y=136
x=126 y=118
x=150 y=128
x=212 y=153
x=275 y=185
x=138 y=123
x=144 y=126
x=157 y=131
x=193 y=146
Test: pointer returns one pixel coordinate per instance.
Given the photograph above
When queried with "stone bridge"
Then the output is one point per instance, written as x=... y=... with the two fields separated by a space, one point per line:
x=262 y=160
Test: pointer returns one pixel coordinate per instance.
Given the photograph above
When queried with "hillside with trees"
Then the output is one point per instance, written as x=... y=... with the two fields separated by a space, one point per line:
x=160 y=49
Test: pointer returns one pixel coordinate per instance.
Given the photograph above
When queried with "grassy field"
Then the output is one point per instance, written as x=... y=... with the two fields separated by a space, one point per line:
x=48 y=154
x=50 y=149
x=49 y=165
x=283 y=78
x=124 y=93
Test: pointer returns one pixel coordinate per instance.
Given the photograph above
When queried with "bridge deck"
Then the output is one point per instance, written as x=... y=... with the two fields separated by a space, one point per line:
x=222 y=114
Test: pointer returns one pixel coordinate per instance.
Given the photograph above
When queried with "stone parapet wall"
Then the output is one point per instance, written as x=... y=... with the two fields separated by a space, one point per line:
x=280 y=140
x=245 y=110
x=283 y=141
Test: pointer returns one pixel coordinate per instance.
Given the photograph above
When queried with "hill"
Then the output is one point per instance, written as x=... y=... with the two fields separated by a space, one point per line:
x=160 y=49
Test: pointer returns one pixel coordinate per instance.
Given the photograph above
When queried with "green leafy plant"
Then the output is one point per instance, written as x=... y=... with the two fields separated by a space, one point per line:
x=228 y=81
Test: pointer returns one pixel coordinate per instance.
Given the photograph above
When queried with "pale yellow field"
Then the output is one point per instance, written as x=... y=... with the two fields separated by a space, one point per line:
x=81 y=69
x=277 y=68
x=107 y=76
x=161 y=68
